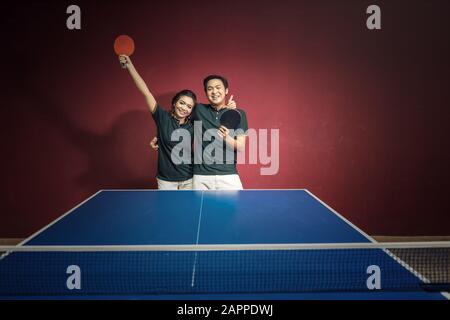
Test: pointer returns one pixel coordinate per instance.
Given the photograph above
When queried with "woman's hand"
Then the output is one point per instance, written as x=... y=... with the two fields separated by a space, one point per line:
x=125 y=60
x=154 y=144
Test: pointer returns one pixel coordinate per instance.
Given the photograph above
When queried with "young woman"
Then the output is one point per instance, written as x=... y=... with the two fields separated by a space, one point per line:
x=173 y=172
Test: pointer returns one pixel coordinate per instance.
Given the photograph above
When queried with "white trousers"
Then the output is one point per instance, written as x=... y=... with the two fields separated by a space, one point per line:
x=174 y=185
x=220 y=182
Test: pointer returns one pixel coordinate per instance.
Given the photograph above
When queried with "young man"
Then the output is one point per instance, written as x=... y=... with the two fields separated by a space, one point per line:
x=217 y=169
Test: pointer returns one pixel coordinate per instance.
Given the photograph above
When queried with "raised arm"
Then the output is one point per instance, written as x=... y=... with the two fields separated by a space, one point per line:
x=140 y=83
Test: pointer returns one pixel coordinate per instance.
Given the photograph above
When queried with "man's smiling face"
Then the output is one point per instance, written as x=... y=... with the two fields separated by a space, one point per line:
x=216 y=92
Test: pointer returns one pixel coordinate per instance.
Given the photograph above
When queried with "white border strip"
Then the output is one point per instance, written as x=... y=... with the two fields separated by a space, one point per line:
x=58 y=219
x=233 y=247
x=397 y=259
x=342 y=217
x=23 y=242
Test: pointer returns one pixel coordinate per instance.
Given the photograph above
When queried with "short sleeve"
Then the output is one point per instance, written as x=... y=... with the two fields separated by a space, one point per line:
x=244 y=124
x=159 y=115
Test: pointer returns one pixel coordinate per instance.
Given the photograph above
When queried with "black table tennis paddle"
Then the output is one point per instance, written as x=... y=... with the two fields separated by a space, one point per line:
x=230 y=119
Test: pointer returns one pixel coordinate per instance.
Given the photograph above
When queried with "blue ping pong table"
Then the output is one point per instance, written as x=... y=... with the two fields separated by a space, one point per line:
x=171 y=218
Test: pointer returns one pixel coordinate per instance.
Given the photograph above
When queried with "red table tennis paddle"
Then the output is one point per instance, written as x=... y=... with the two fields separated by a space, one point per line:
x=124 y=45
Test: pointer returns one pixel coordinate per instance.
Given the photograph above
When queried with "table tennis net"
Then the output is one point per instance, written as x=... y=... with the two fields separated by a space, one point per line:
x=75 y=270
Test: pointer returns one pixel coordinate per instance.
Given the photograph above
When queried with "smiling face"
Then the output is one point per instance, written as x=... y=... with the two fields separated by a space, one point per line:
x=183 y=107
x=216 y=92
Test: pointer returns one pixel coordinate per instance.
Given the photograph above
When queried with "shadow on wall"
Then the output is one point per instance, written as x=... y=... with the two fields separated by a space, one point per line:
x=122 y=158
x=119 y=158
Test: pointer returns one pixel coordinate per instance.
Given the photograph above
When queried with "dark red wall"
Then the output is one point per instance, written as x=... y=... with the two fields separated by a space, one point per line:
x=363 y=115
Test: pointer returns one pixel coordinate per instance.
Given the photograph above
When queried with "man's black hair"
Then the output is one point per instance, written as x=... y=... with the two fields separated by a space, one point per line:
x=215 y=76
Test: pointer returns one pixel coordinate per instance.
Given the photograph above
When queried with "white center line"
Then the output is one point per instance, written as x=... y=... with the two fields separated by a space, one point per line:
x=198 y=236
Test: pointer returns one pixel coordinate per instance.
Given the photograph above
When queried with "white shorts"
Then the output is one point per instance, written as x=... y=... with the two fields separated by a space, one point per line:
x=174 y=185
x=220 y=182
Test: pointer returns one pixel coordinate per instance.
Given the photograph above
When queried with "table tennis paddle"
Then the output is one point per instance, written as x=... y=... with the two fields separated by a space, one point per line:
x=124 y=45
x=231 y=119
